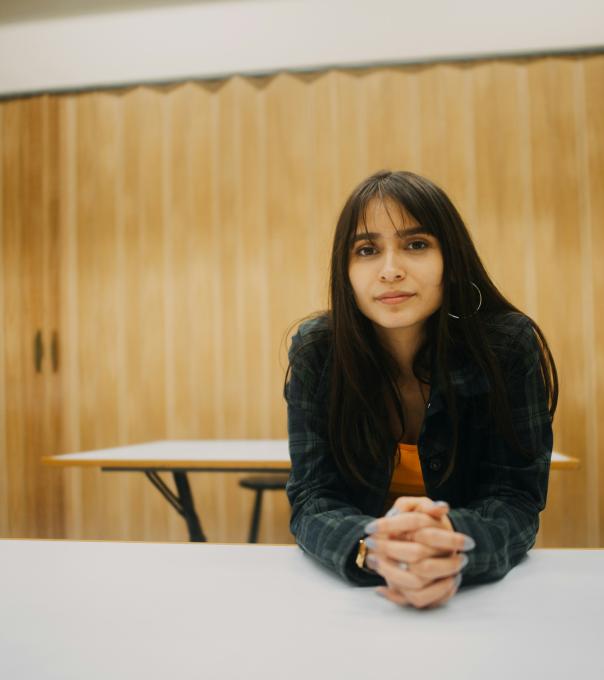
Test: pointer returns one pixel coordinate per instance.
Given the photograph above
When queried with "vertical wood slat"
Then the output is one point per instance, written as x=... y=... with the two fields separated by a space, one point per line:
x=50 y=488
x=31 y=497
x=555 y=192
x=4 y=486
x=584 y=233
x=22 y=286
x=593 y=242
x=13 y=432
x=195 y=223
x=195 y=134
x=28 y=177
x=68 y=320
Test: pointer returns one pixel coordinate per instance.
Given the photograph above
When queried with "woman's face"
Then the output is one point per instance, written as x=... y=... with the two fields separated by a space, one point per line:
x=382 y=261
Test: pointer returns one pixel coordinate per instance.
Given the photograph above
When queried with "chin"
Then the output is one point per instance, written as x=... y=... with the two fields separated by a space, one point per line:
x=393 y=321
x=398 y=326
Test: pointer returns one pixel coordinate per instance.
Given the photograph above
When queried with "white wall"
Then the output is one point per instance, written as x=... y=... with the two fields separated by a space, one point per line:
x=217 y=39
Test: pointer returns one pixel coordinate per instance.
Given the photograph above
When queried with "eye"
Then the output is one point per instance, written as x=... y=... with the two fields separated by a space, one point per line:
x=361 y=251
x=423 y=243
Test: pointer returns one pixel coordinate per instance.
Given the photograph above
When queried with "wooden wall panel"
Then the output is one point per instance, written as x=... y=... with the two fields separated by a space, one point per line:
x=31 y=498
x=591 y=90
x=50 y=494
x=558 y=252
x=502 y=230
x=4 y=486
x=97 y=295
x=27 y=232
x=68 y=290
x=194 y=250
x=390 y=87
x=325 y=191
x=290 y=216
x=193 y=225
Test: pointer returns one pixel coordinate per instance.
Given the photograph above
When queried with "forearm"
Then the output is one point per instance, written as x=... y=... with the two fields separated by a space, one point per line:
x=503 y=533
x=330 y=531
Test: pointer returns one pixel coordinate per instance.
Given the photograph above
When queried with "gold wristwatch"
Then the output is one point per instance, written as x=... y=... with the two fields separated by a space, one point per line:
x=361 y=555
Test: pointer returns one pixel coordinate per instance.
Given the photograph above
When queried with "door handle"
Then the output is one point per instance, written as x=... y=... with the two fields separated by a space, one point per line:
x=38 y=352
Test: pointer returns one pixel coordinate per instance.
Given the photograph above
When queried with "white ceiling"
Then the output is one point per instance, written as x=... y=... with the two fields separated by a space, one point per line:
x=91 y=45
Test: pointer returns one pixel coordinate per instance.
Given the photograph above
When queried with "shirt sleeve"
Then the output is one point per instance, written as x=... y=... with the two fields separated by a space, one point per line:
x=324 y=520
x=504 y=517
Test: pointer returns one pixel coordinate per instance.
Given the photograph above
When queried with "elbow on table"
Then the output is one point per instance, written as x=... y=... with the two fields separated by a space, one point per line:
x=502 y=543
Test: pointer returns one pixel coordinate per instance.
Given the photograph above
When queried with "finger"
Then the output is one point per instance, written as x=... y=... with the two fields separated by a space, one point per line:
x=396 y=574
x=403 y=536
x=418 y=504
x=447 y=596
x=413 y=503
x=407 y=521
x=432 y=593
x=443 y=539
x=392 y=594
x=438 y=511
x=400 y=551
x=434 y=568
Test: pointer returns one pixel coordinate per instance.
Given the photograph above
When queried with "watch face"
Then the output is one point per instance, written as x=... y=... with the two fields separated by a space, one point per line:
x=362 y=552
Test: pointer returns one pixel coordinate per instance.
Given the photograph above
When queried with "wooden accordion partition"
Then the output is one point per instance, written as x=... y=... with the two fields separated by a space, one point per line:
x=157 y=242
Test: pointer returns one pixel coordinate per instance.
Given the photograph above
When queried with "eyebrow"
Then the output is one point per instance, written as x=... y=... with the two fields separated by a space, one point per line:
x=374 y=236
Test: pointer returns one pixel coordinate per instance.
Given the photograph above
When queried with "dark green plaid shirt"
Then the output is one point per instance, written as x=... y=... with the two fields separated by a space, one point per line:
x=495 y=494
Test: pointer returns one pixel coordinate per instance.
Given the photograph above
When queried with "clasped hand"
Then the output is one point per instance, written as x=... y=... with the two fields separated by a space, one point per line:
x=416 y=550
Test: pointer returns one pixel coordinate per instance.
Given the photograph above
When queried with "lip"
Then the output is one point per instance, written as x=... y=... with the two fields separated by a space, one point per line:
x=394 y=298
x=394 y=294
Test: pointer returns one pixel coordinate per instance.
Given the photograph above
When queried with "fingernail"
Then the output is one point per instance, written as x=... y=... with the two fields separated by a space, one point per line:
x=468 y=543
x=371 y=561
x=457 y=580
x=392 y=512
x=370 y=543
x=381 y=591
x=371 y=527
x=403 y=566
x=442 y=504
x=464 y=561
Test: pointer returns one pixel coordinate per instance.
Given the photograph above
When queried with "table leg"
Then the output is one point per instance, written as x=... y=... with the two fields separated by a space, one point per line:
x=182 y=503
x=182 y=484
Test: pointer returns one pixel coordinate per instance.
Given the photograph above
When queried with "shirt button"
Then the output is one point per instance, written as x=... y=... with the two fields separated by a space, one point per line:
x=428 y=404
x=435 y=464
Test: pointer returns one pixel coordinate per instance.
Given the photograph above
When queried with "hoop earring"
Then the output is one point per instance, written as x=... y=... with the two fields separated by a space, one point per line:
x=477 y=308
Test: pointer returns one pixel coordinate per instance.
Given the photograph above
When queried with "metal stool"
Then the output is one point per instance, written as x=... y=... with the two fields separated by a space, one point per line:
x=259 y=484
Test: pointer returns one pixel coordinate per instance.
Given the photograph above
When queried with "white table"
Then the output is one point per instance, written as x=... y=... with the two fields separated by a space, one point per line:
x=95 y=610
x=180 y=457
x=203 y=455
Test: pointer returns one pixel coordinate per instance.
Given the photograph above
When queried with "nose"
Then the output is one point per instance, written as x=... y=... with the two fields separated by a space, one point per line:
x=392 y=270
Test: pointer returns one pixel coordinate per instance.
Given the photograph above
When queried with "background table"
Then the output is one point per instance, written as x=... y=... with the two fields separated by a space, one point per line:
x=203 y=455
x=180 y=457
x=95 y=610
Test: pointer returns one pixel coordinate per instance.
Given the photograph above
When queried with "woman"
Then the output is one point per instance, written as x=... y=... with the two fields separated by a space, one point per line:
x=421 y=381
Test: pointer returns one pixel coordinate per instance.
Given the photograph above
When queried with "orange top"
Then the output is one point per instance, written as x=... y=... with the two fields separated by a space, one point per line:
x=407 y=478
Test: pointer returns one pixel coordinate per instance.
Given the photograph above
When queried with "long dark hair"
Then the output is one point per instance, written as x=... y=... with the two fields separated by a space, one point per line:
x=363 y=372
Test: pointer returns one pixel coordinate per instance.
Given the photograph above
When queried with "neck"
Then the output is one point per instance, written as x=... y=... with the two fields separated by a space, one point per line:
x=403 y=344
